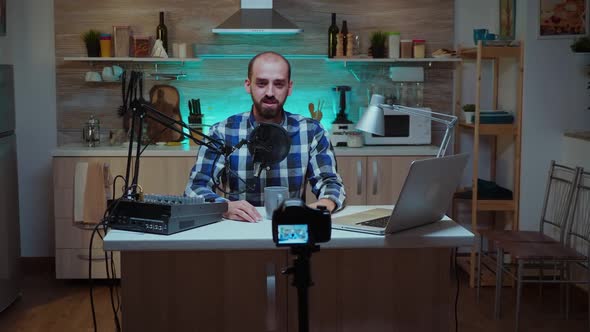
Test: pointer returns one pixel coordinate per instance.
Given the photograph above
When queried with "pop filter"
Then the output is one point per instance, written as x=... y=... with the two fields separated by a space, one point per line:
x=268 y=143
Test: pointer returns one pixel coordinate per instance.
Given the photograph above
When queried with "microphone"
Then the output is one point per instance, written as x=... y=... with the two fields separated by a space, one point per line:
x=268 y=143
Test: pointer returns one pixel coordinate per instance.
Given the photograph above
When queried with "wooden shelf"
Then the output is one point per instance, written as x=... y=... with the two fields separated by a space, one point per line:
x=491 y=52
x=395 y=60
x=131 y=59
x=491 y=129
x=493 y=204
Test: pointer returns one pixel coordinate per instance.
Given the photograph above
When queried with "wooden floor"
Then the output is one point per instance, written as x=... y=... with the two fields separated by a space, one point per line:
x=56 y=305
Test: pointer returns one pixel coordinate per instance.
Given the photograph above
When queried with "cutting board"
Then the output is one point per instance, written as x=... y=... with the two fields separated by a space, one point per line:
x=166 y=99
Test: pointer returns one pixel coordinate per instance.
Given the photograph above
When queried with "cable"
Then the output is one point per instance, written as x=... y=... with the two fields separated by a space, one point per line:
x=456 y=266
x=104 y=223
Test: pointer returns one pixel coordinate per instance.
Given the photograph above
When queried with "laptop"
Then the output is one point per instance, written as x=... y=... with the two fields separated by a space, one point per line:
x=424 y=198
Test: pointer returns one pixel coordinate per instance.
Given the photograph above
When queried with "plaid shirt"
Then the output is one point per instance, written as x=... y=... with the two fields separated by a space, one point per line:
x=311 y=156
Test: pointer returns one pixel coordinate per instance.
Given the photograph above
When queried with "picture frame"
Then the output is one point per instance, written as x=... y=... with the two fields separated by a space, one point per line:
x=507 y=19
x=562 y=19
x=2 y=17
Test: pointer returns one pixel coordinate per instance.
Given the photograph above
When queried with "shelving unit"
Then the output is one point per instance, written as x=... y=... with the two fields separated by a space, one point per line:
x=399 y=60
x=477 y=129
x=131 y=59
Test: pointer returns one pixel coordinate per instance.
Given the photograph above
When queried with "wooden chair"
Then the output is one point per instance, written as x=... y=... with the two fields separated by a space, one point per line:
x=558 y=196
x=574 y=250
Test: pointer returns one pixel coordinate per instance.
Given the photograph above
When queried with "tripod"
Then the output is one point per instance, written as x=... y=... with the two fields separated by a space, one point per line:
x=302 y=280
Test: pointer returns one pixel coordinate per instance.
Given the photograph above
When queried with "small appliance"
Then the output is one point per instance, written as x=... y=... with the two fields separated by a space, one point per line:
x=341 y=125
x=401 y=129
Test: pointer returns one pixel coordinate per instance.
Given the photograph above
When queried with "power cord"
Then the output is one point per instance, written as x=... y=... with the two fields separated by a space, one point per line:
x=458 y=287
x=96 y=230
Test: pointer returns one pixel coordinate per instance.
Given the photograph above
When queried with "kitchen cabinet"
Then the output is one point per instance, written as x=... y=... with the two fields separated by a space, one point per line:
x=374 y=180
x=157 y=175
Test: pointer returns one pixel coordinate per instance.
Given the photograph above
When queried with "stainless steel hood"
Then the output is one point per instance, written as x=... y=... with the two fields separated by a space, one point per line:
x=256 y=17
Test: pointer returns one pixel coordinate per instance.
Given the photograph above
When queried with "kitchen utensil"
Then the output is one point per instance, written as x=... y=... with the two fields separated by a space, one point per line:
x=123 y=108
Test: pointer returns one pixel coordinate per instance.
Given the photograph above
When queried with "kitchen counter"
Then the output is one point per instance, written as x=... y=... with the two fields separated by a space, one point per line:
x=186 y=150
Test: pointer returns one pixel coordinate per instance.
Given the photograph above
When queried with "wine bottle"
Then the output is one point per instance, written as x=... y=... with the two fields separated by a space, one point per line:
x=162 y=32
x=332 y=34
x=344 y=37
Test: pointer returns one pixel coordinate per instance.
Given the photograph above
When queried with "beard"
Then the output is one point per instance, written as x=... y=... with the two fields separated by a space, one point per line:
x=271 y=111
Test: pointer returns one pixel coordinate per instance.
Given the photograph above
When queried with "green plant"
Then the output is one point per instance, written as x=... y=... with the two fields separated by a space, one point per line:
x=91 y=36
x=581 y=44
x=469 y=108
x=378 y=39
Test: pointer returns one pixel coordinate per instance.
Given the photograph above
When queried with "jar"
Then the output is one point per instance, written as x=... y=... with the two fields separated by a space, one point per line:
x=406 y=48
x=354 y=139
x=91 y=132
x=105 y=45
x=419 y=48
x=393 y=42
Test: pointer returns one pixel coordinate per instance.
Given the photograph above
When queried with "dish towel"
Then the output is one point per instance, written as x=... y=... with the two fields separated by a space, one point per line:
x=92 y=183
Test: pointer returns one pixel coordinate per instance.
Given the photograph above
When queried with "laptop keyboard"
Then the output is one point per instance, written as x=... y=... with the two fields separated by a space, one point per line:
x=380 y=223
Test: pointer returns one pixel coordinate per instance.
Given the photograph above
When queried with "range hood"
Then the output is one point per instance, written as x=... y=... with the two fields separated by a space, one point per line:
x=256 y=17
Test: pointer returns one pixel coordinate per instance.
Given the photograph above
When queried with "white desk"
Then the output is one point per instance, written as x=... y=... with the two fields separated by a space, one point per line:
x=226 y=276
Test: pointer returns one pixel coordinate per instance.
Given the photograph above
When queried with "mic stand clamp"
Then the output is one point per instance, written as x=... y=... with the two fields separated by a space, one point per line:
x=301 y=271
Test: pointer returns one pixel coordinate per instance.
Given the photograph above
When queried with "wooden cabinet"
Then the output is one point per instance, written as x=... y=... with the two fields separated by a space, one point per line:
x=234 y=290
x=374 y=180
x=160 y=175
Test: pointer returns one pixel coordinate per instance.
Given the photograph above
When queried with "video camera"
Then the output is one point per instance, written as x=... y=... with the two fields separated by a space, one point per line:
x=296 y=224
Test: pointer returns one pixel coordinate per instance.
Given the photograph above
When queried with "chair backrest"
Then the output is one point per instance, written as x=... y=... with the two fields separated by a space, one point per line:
x=578 y=234
x=559 y=193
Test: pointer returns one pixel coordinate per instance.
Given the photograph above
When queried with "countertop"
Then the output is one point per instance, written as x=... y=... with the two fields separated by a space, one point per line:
x=583 y=135
x=186 y=150
x=236 y=235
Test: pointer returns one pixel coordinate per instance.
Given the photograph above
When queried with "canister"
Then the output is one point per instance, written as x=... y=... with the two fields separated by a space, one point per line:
x=419 y=48
x=393 y=42
x=105 y=45
x=406 y=48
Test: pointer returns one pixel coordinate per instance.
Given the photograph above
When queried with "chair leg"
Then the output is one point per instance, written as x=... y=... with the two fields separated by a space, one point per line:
x=479 y=252
x=499 y=270
x=541 y=275
x=518 y=294
x=566 y=277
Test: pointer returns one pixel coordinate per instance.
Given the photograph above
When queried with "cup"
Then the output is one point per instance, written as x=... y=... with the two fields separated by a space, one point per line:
x=92 y=76
x=479 y=34
x=117 y=71
x=107 y=74
x=273 y=197
x=182 y=50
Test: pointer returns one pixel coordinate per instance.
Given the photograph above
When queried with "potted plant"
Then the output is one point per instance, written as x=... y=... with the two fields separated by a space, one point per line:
x=92 y=40
x=378 y=44
x=468 y=112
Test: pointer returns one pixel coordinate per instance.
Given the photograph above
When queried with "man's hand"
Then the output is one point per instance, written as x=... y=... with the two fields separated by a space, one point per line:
x=328 y=203
x=242 y=211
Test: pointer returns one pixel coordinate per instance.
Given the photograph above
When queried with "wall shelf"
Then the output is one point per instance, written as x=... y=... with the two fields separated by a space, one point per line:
x=491 y=129
x=132 y=59
x=395 y=60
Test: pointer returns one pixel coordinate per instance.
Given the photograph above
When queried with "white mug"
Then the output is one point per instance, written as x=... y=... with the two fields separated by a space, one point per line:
x=92 y=76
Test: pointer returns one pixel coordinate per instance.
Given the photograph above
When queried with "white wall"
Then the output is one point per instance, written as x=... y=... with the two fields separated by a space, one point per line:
x=29 y=46
x=554 y=97
x=555 y=101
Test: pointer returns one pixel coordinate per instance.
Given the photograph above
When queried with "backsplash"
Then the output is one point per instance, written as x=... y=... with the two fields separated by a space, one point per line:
x=219 y=83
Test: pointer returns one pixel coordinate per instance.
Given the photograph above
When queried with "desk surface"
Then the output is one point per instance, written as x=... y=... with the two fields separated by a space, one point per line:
x=235 y=235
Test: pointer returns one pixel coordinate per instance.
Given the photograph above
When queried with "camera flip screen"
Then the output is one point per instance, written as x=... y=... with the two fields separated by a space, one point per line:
x=293 y=234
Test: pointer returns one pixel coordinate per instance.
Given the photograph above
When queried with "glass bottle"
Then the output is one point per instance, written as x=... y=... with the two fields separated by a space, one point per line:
x=332 y=34
x=162 y=32
x=344 y=37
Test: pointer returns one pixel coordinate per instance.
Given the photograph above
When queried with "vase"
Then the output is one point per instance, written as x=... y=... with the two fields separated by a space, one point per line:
x=378 y=51
x=93 y=49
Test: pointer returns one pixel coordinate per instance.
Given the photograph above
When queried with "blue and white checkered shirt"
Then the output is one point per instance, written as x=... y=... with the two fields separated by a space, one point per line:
x=311 y=156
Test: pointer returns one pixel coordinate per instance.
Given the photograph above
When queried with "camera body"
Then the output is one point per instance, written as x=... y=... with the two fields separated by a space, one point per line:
x=296 y=224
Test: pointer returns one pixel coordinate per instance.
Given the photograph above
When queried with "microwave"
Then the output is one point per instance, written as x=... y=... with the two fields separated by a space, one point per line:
x=402 y=129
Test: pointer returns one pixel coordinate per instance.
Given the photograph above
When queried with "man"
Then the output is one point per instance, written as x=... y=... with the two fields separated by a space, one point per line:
x=310 y=158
